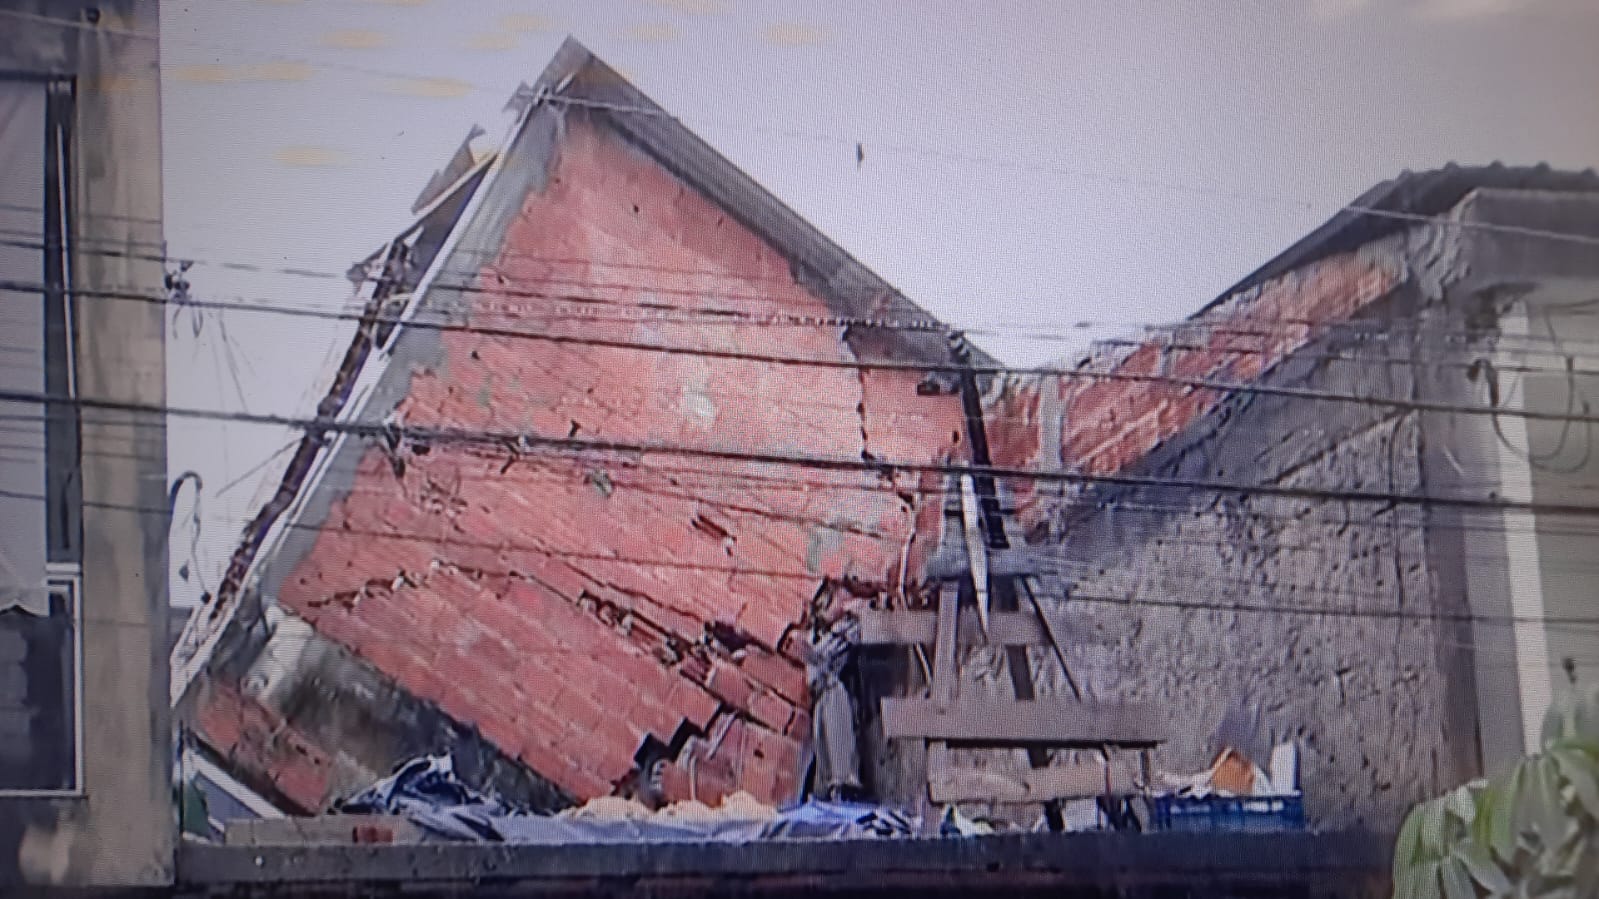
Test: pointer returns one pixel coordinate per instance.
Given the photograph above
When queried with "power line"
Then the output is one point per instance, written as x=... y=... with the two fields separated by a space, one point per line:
x=94 y=27
x=1166 y=335
x=1252 y=388
x=514 y=441
x=994 y=162
x=582 y=306
x=1059 y=566
x=902 y=149
x=745 y=481
x=1551 y=621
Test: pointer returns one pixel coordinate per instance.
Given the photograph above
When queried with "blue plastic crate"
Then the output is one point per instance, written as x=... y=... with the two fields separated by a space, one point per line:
x=1229 y=813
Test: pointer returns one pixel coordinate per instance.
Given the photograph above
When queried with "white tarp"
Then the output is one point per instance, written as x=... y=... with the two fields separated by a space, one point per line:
x=22 y=446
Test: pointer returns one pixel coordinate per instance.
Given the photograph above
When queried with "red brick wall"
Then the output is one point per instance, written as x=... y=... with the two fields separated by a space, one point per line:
x=561 y=605
x=1109 y=424
x=258 y=740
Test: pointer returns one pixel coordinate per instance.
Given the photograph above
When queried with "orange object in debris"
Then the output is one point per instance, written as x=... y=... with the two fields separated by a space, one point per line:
x=1232 y=773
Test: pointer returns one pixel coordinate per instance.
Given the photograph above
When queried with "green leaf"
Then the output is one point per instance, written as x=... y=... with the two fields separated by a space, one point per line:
x=1452 y=871
x=1418 y=882
x=1462 y=804
x=1433 y=827
x=1407 y=849
x=1482 y=868
x=1579 y=770
x=1521 y=801
x=1550 y=820
x=1488 y=802
x=1501 y=823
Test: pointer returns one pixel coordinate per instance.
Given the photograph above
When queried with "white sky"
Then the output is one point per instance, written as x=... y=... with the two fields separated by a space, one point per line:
x=1029 y=165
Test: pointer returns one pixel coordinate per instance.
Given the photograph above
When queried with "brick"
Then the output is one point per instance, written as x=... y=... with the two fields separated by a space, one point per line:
x=782 y=751
x=496 y=655
x=758 y=777
x=641 y=671
x=783 y=676
x=766 y=626
x=771 y=710
x=800 y=726
x=695 y=702
x=729 y=684
x=675 y=786
x=303 y=781
x=500 y=728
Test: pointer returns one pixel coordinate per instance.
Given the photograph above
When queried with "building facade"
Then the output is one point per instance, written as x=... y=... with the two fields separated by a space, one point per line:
x=85 y=792
x=1395 y=580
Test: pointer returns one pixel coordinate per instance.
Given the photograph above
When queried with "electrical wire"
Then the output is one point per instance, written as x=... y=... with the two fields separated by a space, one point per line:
x=583 y=307
x=513 y=440
x=1251 y=388
x=1555 y=622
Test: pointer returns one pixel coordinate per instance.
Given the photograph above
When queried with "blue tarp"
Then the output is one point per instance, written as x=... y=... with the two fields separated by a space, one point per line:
x=427 y=792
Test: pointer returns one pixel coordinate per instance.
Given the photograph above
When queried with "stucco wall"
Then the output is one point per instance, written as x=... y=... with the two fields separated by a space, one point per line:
x=1249 y=619
x=122 y=830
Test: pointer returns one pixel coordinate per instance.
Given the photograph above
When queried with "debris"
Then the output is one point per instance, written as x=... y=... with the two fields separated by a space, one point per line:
x=956 y=824
x=1235 y=794
x=833 y=714
x=426 y=792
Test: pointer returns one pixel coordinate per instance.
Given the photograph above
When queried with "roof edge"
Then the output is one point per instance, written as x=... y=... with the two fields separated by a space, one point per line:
x=818 y=263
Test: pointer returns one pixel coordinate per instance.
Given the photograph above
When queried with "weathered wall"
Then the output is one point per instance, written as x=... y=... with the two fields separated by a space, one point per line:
x=122 y=830
x=307 y=722
x=1309 y=618
x=574 y=610
x=1537 y=293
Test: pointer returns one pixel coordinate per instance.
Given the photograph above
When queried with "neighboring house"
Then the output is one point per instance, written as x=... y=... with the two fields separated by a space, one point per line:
x=85 y=795
x=574 y=624
x=1407 y=645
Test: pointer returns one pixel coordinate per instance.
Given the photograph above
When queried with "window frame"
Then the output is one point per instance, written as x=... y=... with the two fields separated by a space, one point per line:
x=63 y=492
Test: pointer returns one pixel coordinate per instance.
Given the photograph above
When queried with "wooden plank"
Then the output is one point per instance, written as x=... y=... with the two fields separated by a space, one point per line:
x=1054 y=639
x=1045 y=721
x=904 y=626
x=944 y=642
x=948 y=565
x=944 y=681
x=1080 y=781
x=976 y=548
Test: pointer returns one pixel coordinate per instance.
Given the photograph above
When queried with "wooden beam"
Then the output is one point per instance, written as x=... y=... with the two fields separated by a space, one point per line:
x=1079 y=781
x=904 y=626
x=976 y=548
x=1044 y=721
x=946 y=633
x=1055 y=641
x=949 y=564
x=944 y=685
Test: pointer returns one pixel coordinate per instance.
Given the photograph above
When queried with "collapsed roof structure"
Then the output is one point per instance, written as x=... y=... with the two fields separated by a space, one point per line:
x=574 y=610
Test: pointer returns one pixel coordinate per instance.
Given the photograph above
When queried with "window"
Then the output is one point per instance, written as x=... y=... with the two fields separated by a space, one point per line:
x=40 y=524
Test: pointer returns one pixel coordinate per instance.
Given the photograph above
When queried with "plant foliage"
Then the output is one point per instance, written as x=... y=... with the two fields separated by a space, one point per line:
x=1532 y=831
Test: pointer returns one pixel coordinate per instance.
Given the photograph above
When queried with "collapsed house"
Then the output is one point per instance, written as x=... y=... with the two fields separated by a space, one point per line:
x=562 y=620
x=620 y=438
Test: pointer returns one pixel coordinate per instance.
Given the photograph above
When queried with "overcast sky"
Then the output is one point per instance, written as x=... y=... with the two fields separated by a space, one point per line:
x=1029 y=165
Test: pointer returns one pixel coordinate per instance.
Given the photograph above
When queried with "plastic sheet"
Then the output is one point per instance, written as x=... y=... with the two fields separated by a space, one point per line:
x=426 y=791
